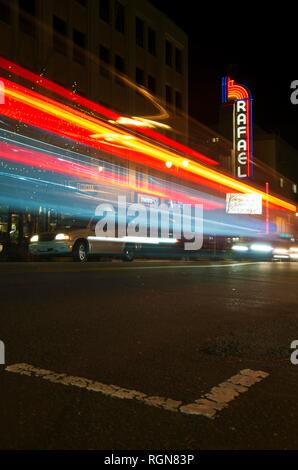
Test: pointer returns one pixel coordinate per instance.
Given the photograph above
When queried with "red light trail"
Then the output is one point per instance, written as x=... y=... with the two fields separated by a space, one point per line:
x=34 y=109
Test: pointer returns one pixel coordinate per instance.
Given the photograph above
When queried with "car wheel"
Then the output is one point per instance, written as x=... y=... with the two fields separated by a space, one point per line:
x=80 y=251
x=128 y=253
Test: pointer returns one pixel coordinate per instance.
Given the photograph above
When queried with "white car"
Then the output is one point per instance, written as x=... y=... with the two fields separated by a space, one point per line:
x=80 y=242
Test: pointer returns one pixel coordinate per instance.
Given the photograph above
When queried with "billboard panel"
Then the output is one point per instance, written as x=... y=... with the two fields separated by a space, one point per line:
x=243 y=203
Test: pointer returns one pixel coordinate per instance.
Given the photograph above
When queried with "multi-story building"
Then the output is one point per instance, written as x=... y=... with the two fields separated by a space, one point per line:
x=123 y=54
x=88 y=45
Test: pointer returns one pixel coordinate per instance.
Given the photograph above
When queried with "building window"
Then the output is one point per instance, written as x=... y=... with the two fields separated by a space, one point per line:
x=104 y=10
x=178 y=100
x=26 y=18
x=79 y=44
x=295 y=188
x=169 y=53
x=59 y=35
x=28 y=6
x=119 y=63
x=104 y=61
x=178 y=60
x=119 y=67
x=139 y=32
x=151 y=41
x=5 y=12
x=169 y=95
x=119 y=17
x=139 y=76
x=59 y=26
x=152 y=84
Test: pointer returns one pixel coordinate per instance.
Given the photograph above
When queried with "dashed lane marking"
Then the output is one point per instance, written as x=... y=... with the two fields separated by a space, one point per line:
x=208 y=405
x=88 y=268
x=179 y=266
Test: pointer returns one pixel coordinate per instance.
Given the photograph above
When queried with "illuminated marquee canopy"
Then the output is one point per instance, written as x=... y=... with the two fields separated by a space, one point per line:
x=241 y=98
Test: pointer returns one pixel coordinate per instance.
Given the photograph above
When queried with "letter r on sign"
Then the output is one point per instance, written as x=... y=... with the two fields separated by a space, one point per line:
x=240 y=106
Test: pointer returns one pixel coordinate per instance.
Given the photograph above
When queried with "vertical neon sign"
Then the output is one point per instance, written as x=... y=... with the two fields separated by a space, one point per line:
x=241 y=98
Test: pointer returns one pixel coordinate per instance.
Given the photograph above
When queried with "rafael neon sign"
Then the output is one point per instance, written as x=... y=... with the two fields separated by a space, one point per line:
x=241 y=98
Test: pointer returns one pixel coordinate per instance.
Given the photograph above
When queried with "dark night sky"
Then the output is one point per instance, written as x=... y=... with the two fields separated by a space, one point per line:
x=258 y=49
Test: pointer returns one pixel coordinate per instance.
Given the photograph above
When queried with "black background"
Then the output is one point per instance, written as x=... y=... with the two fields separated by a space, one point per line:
x=255 y=45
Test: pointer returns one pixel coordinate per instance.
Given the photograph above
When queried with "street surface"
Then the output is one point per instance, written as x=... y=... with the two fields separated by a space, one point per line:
x=137 y=343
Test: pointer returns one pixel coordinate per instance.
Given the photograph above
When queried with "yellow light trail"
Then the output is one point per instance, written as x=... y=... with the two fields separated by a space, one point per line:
x=136 y=143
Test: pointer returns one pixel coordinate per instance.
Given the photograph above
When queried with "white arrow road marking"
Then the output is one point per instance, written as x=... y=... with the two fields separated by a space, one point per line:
x=208 y=405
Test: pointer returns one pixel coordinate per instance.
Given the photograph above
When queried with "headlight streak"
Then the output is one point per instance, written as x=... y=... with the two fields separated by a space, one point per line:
x=261 y=247
x=61 y=236
x=34 y=157
x=136 y=145
x=37 y=180
x=240 y=248
x=230 y=226
x=43 y=192
x=131 y=239
x=280 y=251
x=211 y=226
x=293 y=252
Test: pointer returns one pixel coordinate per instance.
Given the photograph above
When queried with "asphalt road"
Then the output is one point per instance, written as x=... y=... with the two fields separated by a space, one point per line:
x=172 y=330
